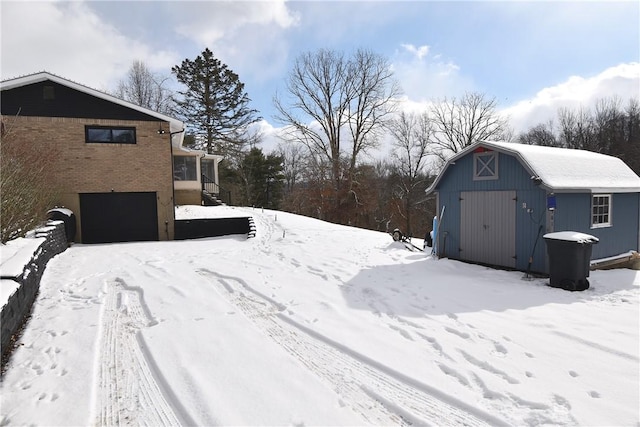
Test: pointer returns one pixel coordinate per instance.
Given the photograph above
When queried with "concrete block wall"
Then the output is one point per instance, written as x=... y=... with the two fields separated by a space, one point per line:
x=18 y=305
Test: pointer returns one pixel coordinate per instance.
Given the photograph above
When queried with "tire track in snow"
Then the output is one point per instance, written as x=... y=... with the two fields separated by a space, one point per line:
x=379 y=394
x=126 y=390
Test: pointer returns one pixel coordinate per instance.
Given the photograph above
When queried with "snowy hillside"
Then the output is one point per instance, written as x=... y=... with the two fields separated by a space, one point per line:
x=312 y=323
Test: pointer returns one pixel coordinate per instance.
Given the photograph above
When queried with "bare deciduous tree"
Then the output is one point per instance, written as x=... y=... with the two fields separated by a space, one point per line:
x=608 y=128
x=576 y=129
x=293 y=156
x=146 y=89
x=25 y=189
x=541 y=134
x=459 y=123
x=411 y=140
x=336 y=106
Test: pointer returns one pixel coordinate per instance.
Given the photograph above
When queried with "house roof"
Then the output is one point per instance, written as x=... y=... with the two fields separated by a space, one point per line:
x=175 y=125
x=197 y=153
x=562 y=170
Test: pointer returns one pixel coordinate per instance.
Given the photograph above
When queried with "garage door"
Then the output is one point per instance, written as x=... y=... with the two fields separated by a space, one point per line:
x=488 y=227
x=118 y=217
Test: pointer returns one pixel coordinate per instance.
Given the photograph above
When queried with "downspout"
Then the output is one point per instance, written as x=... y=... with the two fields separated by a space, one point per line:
x=201 y=176
x=173 y=183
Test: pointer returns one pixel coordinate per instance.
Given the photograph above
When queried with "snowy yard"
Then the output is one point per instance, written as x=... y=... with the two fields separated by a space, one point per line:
x=311 y=323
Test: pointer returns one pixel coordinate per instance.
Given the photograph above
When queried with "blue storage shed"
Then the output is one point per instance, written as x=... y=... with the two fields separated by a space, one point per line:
x=500 y=198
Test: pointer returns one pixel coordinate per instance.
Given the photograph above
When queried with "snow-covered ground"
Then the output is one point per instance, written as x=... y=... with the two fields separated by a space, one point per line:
x=312 y=323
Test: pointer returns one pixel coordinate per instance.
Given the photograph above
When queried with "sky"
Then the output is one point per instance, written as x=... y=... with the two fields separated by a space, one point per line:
x=533 y=57
x=315 y=324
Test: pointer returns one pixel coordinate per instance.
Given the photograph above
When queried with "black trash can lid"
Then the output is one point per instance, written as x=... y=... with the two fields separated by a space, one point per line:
x=572 y=236
x=63 y=211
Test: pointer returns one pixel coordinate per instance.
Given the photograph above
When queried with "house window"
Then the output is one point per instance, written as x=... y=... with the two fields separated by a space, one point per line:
x=184 y=168
x=48 y=93
x=485 y=166
x=208 y=168
x=601 y=210
x=110 y=135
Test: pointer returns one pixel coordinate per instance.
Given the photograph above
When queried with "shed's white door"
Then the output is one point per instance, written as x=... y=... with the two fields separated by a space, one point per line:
x=488 y=227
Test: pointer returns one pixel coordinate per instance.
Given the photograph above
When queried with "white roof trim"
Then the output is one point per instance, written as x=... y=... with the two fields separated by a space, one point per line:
x=184 y=151
x=562 y=170
x=175 y=125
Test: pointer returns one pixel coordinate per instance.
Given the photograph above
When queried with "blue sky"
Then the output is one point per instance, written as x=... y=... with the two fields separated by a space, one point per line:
x=531 y=56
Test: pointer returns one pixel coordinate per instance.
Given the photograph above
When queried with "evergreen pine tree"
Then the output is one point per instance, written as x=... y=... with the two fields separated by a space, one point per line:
x=214 y=103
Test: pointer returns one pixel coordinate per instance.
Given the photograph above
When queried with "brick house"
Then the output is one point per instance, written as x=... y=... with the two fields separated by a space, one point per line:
x=113 y=163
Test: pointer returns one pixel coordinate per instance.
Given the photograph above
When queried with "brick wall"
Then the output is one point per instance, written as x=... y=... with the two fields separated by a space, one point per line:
x=78 y=167
x=188 y=197
x=18 y=306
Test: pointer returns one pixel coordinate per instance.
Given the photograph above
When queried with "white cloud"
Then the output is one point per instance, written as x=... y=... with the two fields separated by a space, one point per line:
x=622 y=81
x=420 y=52
x=68 y=39
x=248 y=36
x=270 y=135
x=209 y=22
x=425 y=77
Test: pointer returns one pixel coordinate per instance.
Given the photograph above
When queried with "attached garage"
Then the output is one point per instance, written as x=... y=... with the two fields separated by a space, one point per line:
x=118 y=217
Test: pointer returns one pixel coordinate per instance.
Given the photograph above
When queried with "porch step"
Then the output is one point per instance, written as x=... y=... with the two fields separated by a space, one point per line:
x=210 y=199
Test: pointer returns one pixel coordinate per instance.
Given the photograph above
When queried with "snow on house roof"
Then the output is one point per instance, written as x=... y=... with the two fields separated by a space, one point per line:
x=562 y=169
x=175 y=125
x=182 y=150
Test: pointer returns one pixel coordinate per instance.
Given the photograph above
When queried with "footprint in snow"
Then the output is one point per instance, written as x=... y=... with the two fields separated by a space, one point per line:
x=594 y=394
x=457 y=332
x=573 y=374
x=500 y=348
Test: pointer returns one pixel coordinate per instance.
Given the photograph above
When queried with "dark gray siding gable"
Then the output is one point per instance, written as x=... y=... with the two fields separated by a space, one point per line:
x=63 y=101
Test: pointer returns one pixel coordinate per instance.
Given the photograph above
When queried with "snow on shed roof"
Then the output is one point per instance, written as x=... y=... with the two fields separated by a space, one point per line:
x=563 y=169
x=174 y=124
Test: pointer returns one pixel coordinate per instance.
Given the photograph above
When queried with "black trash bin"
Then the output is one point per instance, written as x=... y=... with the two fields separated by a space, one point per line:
x=569 y=259
x=65 y=215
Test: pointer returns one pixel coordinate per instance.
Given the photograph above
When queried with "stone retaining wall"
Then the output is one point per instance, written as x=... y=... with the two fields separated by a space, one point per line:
x=19 y=303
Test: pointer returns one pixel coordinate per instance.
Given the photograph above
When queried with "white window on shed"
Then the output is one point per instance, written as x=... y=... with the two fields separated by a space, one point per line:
x=485 y=166
x=601 y=210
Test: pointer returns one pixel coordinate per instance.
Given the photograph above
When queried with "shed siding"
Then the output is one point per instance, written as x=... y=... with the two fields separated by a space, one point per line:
x=529 y=220
x=573 y=212
x=511 y=176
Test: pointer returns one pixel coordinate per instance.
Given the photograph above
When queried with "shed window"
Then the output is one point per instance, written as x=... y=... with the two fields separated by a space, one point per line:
x=184 y=168
x=601 y=210
x=485 y=166
x=110 y=135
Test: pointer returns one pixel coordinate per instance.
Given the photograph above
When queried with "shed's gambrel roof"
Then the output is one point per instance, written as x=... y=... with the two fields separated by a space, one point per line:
x=175 y=125
x=562 y=170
